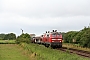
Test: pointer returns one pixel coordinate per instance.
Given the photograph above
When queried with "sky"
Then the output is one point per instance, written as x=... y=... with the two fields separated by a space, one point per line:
x=38 y=16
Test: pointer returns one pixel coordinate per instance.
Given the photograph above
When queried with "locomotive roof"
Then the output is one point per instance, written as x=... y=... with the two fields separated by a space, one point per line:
x=52 y=32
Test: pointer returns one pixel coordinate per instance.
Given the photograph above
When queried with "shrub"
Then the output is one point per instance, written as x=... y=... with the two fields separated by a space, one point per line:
x=23 y=38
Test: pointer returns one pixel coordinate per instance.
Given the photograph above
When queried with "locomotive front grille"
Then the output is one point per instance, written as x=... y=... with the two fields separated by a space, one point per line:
x=56 y=43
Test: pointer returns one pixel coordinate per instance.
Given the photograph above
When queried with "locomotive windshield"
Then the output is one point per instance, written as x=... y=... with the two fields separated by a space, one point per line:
x=56 y=34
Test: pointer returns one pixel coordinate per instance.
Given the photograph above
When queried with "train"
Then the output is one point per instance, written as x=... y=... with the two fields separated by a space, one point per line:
x=49 y=39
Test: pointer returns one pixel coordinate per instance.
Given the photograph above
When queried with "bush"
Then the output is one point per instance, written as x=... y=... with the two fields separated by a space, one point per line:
x=23 y=38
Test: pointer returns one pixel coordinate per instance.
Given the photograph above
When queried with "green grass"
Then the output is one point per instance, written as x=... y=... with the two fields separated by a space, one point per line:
x=11 y=52
x=34 y=52
x=7 y=42
x=43 y=53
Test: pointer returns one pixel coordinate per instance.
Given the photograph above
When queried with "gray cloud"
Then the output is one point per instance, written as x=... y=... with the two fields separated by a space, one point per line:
x=41 y=15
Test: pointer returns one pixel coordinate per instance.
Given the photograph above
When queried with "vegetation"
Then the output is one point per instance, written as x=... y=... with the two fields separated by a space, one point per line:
x=7 y=42
x=23 y=38
x=2 y=36
x=75 y=46
x=82 y=37
x=39 y=52
x=42 y=53
x=9 y=36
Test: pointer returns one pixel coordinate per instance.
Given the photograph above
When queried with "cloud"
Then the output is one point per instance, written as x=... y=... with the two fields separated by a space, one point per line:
x=47 y=8
x=41 y=15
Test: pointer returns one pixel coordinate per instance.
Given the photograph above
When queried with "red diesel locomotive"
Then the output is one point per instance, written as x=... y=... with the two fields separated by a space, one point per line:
x=53 y=39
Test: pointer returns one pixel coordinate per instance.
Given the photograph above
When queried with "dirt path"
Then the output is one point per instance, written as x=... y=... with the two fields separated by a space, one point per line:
x=12 y=52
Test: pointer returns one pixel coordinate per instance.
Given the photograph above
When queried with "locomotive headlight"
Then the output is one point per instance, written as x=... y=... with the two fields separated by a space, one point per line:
x=52 y=41
x=60 y=41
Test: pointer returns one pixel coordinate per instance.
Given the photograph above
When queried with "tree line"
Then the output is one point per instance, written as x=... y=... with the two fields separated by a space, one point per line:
x=24 y=37
x=9 y=36
x=81 y=37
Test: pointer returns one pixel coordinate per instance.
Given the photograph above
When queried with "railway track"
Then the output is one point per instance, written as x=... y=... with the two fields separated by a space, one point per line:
x=75 y=51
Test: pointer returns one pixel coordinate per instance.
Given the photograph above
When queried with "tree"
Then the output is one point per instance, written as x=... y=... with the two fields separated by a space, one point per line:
x=81 y=37
x=85 y=38
x=10 y=36
x=23 y=38
x=2 y=36
x=69 y=36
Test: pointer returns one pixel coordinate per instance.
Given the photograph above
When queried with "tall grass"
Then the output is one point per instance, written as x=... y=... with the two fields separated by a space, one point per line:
x=75 y=46
x=43 y=53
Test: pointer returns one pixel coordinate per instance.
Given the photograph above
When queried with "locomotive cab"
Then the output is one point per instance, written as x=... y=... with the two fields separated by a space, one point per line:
x=53 y=39
x=56 y=39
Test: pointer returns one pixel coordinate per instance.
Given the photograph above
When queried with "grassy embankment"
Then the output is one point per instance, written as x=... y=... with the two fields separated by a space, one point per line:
x=75 y=46
x=42 y=53
x=34 y=52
